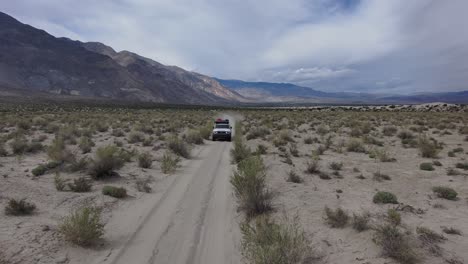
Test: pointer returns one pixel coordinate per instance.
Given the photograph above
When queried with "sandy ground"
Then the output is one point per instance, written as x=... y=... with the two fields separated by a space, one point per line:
x=189 y=217
x=411 y=185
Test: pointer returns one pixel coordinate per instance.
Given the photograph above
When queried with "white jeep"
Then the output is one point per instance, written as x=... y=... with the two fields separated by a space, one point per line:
x=221 y=130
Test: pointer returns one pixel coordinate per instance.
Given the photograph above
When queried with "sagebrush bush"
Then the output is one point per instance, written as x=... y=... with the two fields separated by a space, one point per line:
x=428 y=148
x=41 y=169
x=395 y=244
x=267 y=242
x=83 y=226
x=378 y=176
x=336 y=166
x=426 y=166
x=116 y=192
x=80 y=164
x=86 y=144
x=240 y=151
x=19 y=207
x=385 y=198
x=258 y=132
x=313 y=166
x=58 y=152
x=361 y=221
x=250 y=188
x=107 y=160
x=355 y=145
x=393 y=216
x=179 y=147
x=194 y=137
x=135 y=137
x=169 y=163
x=145 y=160
x=445 y=192
x=293 y=177
x=80 y=185
x=336 y=218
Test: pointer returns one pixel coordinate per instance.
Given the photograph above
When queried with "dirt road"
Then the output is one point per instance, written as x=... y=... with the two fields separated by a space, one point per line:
x=194 y=219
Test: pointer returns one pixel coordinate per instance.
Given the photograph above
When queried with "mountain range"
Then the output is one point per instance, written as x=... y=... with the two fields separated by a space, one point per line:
x=34 y=63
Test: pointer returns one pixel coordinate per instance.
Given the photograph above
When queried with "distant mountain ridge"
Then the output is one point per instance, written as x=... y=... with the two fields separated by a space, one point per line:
x=288 y=92
x=31 y=59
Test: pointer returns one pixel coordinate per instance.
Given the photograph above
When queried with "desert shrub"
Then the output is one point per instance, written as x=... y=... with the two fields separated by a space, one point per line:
x=336 y=218
x=240 y=151
x=361 y=221
x=59 y=182
x=382 y=155
x=293 y=177
x=451 y=154
x=21 y=207
x=145 y=160
x=178 y=147
x=148 y=141
x=142 y=185
x=336 y=166
x=324 y=175
x=41 y=169
x=258 y=132
x=451 y=231
x=116 y=192
x=108 y=159
x=293 y=150
x=58 y=152
x=250 y=188
x=445 y=192
x=322 y=130
x=355 y=145
x=385 y=198
x=261 y=149
x=135 y=137
x=389 y=131
x=436 y=163
x=194 y=137
x=19 y=145
x=429 y=235
x=78 y=164
x=267 y=242
x=458 y=150
x=169 y=163
x=372 y=141
x=393 y=216
x=405 y=135
x=205 y=131
x=86 y=144
x=430 y=239
x=461 y=165
x=426 y=166
x=83 y=226
x=395 y=244
x=117 y=133
x=80 y=185
x=428 y=148
x=313 y=166
x=308 y=140
x=378 y=176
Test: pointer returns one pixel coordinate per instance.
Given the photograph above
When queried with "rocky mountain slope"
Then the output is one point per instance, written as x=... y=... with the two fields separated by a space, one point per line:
x=35 y=61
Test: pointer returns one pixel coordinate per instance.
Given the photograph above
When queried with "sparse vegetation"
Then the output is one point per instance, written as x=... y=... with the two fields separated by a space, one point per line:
x=169 y=163
x=178 y=147
x=267 y=242
x=145 y=160
x=80 y=185
x=336 y=218
x=361 y=221
x=250 y=189
x=83 y=226
x=107 y=160
x=385 y=198
x=19 y=207
x=293 y=177
x=116 y=192
x=395 y=244
x=445 y=192
x=426 y=166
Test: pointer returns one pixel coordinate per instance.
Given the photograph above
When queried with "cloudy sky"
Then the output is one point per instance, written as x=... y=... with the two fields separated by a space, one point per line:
x=382 y=46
